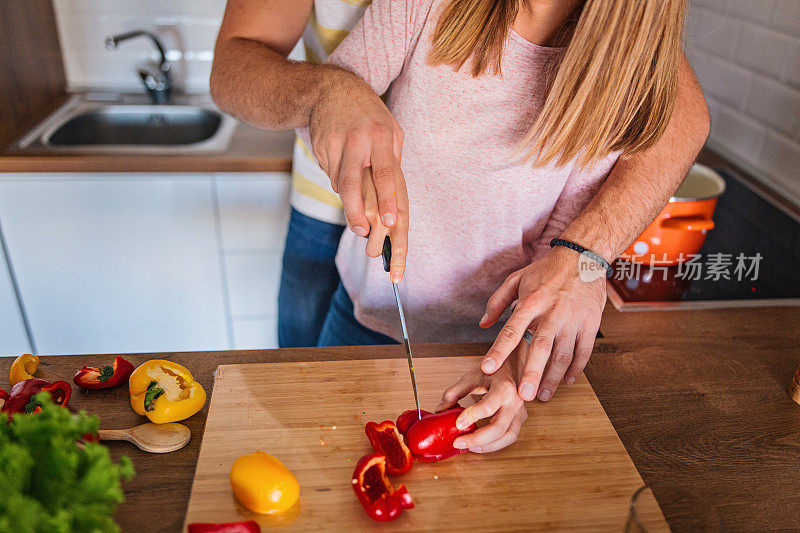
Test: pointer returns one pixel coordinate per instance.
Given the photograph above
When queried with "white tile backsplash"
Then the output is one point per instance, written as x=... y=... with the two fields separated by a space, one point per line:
x=712 y=32
x=188 y=29
x=776 y=105
x=723 y=82
x=781 y=158
x=742 y=135
x=747 y=56
x=766 y=51
x=755 y=10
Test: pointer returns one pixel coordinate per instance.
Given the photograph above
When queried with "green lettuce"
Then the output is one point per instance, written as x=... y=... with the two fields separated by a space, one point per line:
x=49 y=483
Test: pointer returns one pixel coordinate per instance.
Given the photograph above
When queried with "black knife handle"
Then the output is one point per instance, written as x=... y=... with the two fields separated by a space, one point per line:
x=387 y=254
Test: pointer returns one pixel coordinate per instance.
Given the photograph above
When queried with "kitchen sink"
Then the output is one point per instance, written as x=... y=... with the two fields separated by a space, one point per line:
x=130 y=124
x=138 y=125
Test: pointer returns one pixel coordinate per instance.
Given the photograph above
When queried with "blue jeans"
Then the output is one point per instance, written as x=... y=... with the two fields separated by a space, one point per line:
x=342 y=329
x=308 y=279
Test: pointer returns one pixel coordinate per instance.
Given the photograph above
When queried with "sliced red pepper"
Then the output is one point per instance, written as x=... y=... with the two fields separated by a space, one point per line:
x=105 y=377
x=386 y=440
x=376 y=493
x=431 y=439
x=247 y=526
x=21 y=398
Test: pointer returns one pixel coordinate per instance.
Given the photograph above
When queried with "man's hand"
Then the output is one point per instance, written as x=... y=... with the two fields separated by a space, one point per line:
x=564 y=314
x=500 y=401
x=351 y=130
x=350 y=127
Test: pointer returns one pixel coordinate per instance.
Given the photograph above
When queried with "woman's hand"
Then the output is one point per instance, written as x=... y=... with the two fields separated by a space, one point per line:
x=398 y=234
x=500 y=401
x=561 y=309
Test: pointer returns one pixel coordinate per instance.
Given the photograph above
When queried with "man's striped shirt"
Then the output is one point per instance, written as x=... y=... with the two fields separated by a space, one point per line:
x=329 y=24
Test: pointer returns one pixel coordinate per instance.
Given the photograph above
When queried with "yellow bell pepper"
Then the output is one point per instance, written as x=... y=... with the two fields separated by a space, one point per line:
x=164 y=391
x=23 y=367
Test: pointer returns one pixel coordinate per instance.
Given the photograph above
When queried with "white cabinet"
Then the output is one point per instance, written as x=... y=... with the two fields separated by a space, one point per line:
x=13 y=340
x=254 y=213
x=254 y=210
x=112 y=263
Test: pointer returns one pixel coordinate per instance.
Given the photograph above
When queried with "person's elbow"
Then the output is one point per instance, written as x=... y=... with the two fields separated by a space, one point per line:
x=692 y=105
x=701 y=125
x=218 y=85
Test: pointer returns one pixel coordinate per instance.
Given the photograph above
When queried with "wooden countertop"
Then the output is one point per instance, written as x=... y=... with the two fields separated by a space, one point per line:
x=251 y=150
x=698 y=399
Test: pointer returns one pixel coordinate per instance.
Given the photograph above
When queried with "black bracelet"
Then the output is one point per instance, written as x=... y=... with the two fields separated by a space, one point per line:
x=581 y=250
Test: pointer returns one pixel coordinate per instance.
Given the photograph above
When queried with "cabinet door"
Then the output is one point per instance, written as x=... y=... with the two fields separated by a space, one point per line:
x=13 y=340
x=116 y=263
x=254 y=214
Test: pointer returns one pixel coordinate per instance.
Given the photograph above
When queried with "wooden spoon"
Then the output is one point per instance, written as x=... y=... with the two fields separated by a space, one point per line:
x=150 y=437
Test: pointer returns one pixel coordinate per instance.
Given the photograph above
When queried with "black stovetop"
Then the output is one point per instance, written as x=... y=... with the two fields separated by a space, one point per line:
x=745 y=223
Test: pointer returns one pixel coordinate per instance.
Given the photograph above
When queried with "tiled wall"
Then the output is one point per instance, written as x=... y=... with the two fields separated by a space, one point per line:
x=188 y=29
x=747 y=56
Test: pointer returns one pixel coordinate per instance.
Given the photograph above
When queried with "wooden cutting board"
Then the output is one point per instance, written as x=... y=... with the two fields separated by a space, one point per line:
x=567 y=471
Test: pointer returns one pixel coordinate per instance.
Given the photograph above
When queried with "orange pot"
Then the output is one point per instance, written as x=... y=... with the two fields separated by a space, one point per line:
x=680 y=229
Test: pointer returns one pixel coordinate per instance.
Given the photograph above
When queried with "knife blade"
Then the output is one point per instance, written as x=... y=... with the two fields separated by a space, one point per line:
x=387 y=260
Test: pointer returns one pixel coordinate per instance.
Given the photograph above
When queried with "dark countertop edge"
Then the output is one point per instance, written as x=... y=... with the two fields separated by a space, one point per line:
x=143 y=163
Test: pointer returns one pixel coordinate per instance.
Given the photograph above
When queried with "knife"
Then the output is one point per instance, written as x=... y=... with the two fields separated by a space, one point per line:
x=387 y=260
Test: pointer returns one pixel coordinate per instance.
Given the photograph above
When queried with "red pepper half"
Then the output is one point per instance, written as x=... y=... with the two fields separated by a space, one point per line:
x=431 y=439
x=104 y=377
x=21 y=398
x=376 y=493
x=247 y=526
x=386 y=440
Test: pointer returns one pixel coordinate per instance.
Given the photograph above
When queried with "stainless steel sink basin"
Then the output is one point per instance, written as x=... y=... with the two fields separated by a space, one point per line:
x=138 y=125
x=128 y=124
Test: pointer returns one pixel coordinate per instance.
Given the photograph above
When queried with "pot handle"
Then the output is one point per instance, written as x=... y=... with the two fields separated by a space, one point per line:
x=688 y=223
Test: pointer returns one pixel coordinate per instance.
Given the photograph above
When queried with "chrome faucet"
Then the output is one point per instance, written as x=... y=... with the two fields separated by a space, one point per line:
x=155 y=76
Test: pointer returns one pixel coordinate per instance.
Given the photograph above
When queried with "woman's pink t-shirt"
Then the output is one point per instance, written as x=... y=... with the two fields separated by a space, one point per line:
x=477 y=212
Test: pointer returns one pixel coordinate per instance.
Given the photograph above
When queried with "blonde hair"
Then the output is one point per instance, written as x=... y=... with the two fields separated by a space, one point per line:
x=614 y=88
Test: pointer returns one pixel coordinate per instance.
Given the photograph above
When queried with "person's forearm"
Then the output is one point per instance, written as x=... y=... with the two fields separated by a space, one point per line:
x=252 y=82
x=639 y=186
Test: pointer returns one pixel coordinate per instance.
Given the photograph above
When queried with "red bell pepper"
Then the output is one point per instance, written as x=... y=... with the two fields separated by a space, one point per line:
x=387 y=441
x=405 y=420
x=105 y=377
x=431 y=439
x=21 y=398
x=376 y=493
x=247 y=526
